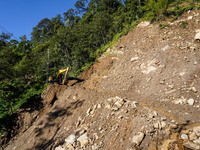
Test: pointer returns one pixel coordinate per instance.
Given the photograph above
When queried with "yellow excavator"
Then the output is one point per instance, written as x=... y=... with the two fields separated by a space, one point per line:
x=58 y=78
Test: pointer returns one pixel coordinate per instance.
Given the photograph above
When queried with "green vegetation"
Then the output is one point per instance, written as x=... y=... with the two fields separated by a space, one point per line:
x=184 y=24
x=75 y=39
x=162 y=26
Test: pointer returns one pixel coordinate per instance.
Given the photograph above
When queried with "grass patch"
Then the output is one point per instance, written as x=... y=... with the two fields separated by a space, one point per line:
x=184 y=24
x=162 y=26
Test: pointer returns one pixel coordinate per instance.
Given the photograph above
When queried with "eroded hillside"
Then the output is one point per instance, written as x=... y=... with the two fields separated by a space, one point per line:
x=141 y=94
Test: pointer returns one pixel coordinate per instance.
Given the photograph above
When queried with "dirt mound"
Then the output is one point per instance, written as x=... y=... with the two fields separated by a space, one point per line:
x=141 y=94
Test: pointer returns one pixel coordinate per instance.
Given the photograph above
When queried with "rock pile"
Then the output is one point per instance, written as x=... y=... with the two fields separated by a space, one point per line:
x=115 y=117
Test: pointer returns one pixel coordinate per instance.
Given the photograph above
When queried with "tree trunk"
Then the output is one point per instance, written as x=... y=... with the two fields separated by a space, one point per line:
x=11 y=109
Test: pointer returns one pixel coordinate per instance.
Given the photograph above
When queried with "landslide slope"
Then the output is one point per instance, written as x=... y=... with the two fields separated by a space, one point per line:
x=141 y=94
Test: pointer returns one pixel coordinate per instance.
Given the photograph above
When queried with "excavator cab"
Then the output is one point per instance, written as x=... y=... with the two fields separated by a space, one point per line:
x=59 y=78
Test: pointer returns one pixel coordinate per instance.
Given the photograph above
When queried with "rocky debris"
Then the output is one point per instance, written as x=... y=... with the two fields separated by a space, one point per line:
x=114 y=103
x=148 y=67
x=181 y=100
x=117 y=110
x=72 y=141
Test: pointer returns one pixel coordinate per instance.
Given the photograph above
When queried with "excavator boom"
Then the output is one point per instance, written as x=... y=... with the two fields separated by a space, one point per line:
x=59 y=78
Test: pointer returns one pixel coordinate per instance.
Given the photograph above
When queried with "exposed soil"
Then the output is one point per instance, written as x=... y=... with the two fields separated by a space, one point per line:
x=141 y=94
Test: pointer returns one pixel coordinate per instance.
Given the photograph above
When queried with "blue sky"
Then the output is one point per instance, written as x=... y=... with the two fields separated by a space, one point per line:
x=20 y=16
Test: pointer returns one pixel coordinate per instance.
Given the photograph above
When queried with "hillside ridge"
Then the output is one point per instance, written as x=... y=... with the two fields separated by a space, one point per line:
x=143 y=93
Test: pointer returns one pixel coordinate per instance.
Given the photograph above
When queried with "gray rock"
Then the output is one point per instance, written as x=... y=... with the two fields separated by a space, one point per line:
x=83 y=139
x=99 y=106
x=191 y=101
x=184 y=136
x=173 y=126
x=194 y=89
x=59 y=148
x=163 y=124
x=191 y=145
x=134 y=104
x=197 y=36
x=196 y=129
x=70 y=139
x=163 y=118
x=93 y=109
x=95 y=147
x=137 y=139
x=156 y=125
x=197 y=141
x=134 y=59
x=192 y=136
x=190 y=17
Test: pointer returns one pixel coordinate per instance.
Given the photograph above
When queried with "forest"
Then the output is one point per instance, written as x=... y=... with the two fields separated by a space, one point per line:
x=73 y=39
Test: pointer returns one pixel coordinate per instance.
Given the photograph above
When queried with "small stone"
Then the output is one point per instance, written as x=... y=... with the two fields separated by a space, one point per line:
x=134 y=59
x=93 y=110
x=70 y=147
x=191 y=145
x=134 y=104
x=144 y=24
x=70 y=139
x=163 y=118
x=191 y=101
x=82 y=131
x=196 y=129
x=197 y=36
x=120 y=117
x=163 y=124
x=190 y=17
x=151 y=115
x=78 y=123
x=94 y=147
x=83 y=139
x=156 y=125
x=180 y=101
x=137 y=139
x=194 y=89
x=192 y=136
x=197 y=141
x=59 y=148
x=184 y=136
x=95 y=136
x=155 y=113
x=185 y=131
x=165 y=48
x=198 y=134
x=99 y=106
x=88 y=111
x=173 y=126
x=107 y=106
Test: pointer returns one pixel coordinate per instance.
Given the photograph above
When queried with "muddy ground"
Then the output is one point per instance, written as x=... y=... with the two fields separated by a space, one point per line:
x=141 y=94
